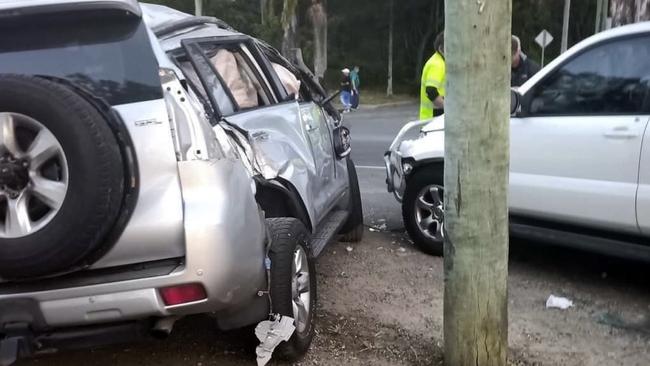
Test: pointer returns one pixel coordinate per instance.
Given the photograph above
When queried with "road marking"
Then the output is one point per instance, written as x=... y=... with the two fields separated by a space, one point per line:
x=371 y=167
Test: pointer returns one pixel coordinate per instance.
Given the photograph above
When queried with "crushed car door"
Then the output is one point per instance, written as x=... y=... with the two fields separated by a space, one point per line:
x=244 y=93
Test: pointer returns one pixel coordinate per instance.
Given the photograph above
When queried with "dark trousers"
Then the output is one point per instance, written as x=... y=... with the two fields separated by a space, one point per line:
x=355 y=100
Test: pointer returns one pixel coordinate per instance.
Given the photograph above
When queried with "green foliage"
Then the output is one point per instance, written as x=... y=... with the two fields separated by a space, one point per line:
x=358 y=31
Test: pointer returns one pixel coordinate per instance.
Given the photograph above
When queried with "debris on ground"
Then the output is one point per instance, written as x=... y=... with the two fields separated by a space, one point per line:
x=271 y=334
x=556 y=302
x=349 y=249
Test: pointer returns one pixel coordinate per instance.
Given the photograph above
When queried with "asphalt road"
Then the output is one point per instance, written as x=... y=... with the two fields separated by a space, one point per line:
x=372 y=132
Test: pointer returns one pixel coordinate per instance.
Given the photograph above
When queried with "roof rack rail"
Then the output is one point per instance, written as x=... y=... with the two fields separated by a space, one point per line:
x=26 y=7
x=172 y=27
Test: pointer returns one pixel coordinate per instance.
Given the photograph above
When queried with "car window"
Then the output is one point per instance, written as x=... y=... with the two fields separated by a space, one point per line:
x=111 y=59
x=613 y=78
x=240 y=75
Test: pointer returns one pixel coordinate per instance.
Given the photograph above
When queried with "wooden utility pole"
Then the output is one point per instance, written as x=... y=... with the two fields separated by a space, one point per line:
x=198 y=7
x=391 y=25
x=477 y=114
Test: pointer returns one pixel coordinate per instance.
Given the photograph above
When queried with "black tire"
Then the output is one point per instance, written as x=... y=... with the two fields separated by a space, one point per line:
x=352 y=231
x=420 y=179
x=288 y=234
x=95 y=179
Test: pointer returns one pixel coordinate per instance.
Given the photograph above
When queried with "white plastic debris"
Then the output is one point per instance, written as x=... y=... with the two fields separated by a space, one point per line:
x=349 y=249
x=372 y=229
x=271 y=334
x=558 y=302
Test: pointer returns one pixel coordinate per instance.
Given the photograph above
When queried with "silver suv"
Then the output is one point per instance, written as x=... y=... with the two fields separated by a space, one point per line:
x=155 y=165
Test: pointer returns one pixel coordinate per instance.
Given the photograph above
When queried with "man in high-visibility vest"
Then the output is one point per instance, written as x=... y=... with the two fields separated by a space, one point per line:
x=432 y=88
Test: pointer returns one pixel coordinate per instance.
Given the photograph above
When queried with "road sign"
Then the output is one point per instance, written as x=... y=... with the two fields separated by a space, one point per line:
x=543 y=39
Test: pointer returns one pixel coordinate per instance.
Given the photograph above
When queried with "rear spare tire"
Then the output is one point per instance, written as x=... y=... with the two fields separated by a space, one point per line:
x=61 y=177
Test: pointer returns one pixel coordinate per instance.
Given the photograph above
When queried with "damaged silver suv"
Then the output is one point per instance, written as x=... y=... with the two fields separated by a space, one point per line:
x=154 y=165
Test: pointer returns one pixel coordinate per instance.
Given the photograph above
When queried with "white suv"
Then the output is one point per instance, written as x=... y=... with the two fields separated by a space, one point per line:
x=579 y=153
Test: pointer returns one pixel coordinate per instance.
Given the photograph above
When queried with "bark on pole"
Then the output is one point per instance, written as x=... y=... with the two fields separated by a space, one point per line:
x=391 y=25
x=477 y=111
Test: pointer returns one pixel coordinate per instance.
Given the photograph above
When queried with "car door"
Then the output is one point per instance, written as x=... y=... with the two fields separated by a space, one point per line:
x=575 y=149
x=291 y=141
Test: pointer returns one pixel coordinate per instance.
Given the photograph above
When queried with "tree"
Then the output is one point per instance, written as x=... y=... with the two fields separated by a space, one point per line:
x=198 y=7
x=477 y=109
x=391 y=26
x=267 y=11
x=629 y=11
x=289 y=27
x=317 y=14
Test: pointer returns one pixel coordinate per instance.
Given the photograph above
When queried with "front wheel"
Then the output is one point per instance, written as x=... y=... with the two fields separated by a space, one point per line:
x=423 y=210
x=293 y=283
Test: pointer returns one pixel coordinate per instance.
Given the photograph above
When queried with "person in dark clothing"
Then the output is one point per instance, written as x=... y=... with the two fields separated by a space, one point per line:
x=523 y=68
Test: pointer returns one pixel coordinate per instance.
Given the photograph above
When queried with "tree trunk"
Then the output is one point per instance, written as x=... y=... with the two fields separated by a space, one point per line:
x=629 y=11
x=565 y=26
x=391 y=25
x=198 y=7
x=267 y=11
x=477 y=109
x=289 y=27
x=318 y=17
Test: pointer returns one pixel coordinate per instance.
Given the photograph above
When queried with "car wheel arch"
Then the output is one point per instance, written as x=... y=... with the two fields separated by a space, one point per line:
x=278 y=198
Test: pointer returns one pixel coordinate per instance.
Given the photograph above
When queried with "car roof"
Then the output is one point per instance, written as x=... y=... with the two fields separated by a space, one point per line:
x=22 y=7
x=159 y=16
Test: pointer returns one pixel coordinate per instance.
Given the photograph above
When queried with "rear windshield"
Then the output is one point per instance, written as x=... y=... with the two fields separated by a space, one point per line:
x=109 y=56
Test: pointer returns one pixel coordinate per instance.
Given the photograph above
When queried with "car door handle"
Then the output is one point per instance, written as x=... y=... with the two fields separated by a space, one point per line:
x=621 y=132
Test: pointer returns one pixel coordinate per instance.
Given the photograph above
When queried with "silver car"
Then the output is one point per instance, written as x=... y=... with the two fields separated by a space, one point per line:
x=154 y=165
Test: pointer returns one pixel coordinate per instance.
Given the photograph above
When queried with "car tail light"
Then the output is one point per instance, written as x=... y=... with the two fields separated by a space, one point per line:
x=183 y=294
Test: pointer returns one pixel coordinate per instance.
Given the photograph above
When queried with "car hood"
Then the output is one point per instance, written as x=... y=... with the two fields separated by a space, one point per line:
x=436 y=124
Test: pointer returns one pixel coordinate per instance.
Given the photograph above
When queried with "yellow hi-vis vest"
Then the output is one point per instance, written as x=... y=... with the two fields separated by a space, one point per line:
x=432 y=75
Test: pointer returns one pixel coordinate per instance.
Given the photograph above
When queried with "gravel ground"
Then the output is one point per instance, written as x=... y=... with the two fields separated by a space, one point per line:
x=381 y=304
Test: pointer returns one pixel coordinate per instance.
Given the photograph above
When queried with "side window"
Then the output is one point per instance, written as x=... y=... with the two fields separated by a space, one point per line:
x=230 y=73
x=241 y=75
x=613 y=78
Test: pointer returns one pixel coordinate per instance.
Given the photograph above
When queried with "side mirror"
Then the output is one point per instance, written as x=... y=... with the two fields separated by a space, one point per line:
x=515 y=101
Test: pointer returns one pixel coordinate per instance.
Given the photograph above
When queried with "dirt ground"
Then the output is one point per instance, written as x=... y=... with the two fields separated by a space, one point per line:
x=381 y=304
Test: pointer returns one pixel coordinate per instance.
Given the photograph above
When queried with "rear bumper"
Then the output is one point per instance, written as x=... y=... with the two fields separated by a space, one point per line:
x=225 y=250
